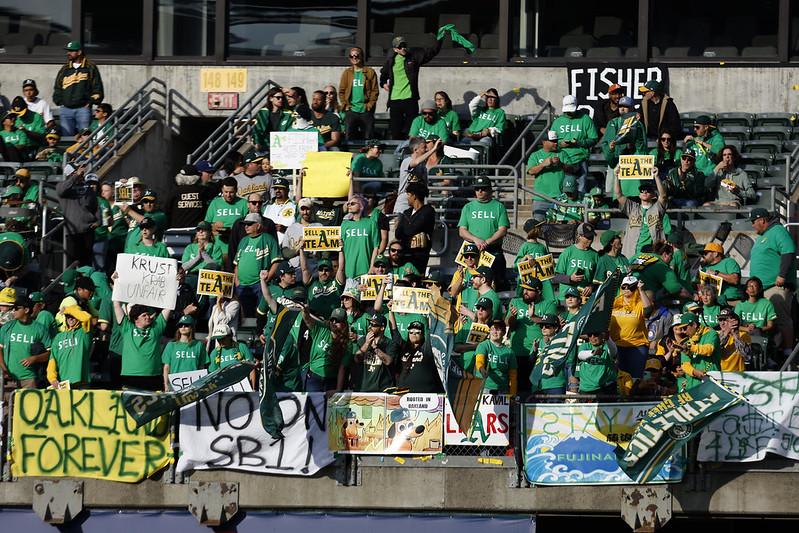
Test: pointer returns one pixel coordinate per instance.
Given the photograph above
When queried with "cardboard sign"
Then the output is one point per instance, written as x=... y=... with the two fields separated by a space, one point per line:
x=373 y=283
x=542 y=268
x=326 y=174
x=477 y=333
x=490 y=428
x=321 y=238
x=410 y=300
x=215 y=283
x=146 y=280
x=289 y=148
x=636 y=167
x=181 y=380
x=708 y=279
x=486 y=259
x=123 y=193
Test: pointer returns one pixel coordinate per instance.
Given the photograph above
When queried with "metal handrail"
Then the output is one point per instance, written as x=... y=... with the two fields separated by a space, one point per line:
x=234 y=131
x=127 y=121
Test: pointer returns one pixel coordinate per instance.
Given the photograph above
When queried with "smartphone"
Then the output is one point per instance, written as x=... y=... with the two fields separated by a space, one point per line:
x=647 y=375
x=580 y=272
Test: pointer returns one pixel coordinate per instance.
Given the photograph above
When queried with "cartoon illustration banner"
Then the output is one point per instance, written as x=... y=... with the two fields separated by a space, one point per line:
x=364 y=423
x=574 y=443
x=88 y=434
x=768 y=422
x=490 y=428
x=225 y=431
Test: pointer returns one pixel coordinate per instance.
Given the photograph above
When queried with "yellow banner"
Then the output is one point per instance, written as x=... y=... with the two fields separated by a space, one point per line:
x=321 y=238
x=373 y=283
x=637 y=167
x=477 y=333
x=410 y=300
x=542 y=268
x=72 y=433
x=708 y=279
x=326 y=174
x=486 y=259
x=231 y=80
x=215 y=283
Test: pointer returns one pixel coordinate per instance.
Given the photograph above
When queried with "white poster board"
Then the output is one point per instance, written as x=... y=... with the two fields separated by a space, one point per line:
x=491 y=428
x=146 y=280
x=287 y=149
x=181 y=380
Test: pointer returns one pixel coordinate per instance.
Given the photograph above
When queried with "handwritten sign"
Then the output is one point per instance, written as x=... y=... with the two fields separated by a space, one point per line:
x=215 y=283
x=146 y=280
x=181 y=380
x=486 y=259
x=321 y=238
x=373 y=283
x=410 y=300
x=636 y=167
x=326 y=174
x=289 y=148
x=477 y=333
x=708 y=279
x=123 y=192
x=542 y=268
x=491 y=427
x=88 y=434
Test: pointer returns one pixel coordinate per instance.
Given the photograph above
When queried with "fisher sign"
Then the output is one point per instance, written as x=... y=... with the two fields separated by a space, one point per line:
x=72 y=433
x=636 y=167
x=215 y=283
x=322 y=238
x=410 y=300
x=146 y=280
x=490 y=428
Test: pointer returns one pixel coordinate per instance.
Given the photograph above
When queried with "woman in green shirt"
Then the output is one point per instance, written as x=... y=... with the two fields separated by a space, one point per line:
x=667 y=155
x=358 y=321
x=331 y=352
x=184 y=353
x=147 y=244
x=710 y=307
x=367 y=164
x=69 y=353
x=550 y=326
x=448 y=115
x=202 y=251
x=757 y=313
x=496 y=362
x=487 y=117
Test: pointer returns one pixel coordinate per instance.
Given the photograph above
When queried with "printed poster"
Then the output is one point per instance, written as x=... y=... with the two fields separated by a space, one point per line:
x=215 y=283
x=321 y=238
x=486 y=259
x=636 y=167
x=371 y=286
x=410 y=300
x=542 y=268
x=490 y=428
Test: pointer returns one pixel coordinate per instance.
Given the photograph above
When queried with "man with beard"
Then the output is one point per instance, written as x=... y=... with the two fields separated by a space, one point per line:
x=328 y=124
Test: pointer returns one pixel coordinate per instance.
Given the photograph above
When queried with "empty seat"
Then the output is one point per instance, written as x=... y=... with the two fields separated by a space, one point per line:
x=776 y=171
x=403 y=25
x=735 y=119
x=687 y=119
x=775 y=133
x=604 y=25
x=421 y=40
x=462 y=21
x=775 y=119
x=759 y=51
x=763 y=159
x=583 y=41
x=739 y=133
x=789 y=146
x=676 y=51
x=45 y=50
x=771 y=181
x=376 y=50
x=768 y=146
x=720 y=51
x=754 y=172
x=604 y=51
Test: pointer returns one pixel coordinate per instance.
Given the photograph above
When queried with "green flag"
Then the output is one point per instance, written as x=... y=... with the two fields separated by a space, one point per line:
x=456 y=37
x=144 y=406
x=670 y=424
x=593 y=316
x=627 y=122
x=271 y=415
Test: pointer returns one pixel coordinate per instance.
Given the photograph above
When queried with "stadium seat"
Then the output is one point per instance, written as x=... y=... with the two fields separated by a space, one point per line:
x=738 y=133
x=676 y=51
x=769 y=146
x=755 y=173
x=403 y=25
x=720 y=51
x=776 y=133
x=764 y=198
x=776 y=171
x=759 y=51
x=583 y=41
x=462 y=21
x=763 y=159
x=735 y=119
x=775 y=119
x=604 y=51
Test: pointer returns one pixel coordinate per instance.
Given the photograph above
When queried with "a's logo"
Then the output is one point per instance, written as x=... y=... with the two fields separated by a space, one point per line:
x=681 y=432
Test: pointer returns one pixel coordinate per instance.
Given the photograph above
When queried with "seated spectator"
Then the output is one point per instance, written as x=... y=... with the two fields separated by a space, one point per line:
x=328 y=123
x=24 y=345
x=731 y=183
x=252 y=178
x=488 y=120
x=726 y=268
x=429 y=123
x=496 y=362
x=76 y=151
x=30 y=122
x=367 y=164
x=448 y=115
x=100 y=122
x=228 y=351
x=52 y=152
x=302 y=122
x=36 y=104
x=273 y=117
x=574 y=211
x=203 y=252
x=757 y=313
x=361 y=237
x=281 y=210
x=186 y=203
x=596 y=365
x=223 y=211
x=548 y=167
x=685 y=184
x=184 y=353
x=699 y=349
x=30 y=189
x=17 y=142
x=600 y=220
x=734 y=342
x=656 y=381
x=609 y=109
x=71 y=348
x=706 y=144
x=710 y=307
x=667 y=155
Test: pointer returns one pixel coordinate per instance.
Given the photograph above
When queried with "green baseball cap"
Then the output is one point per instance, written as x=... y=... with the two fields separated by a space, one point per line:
x=74 y=46
x=608 y=236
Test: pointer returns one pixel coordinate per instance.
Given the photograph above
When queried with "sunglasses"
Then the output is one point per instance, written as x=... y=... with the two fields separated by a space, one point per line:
x=278 y=96
x=665 y=139
x=685 y=157
x=414 y=332
x=547 y=326
x=355 y=56
x=398 y=250
x=481 y=188
x=373 y=325
x=185 y=325
x=324 y=269
x=625 y=287
x=697 y=127
x=257 y=202
x=402 y=46
x=330 y=92
x=148 y=201
x=335 y=321
x=428 y=114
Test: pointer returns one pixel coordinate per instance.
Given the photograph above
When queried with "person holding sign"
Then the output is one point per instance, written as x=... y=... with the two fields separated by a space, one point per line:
x=531 y=250
x=625 y=135
x=628 y=328
x=484 y=221
x=472 y=332
x=699 y=348
x=141 y=345
x=726 y=268
x=69 y=356
x=184 y=353
x=577 y=263
x=258 y=251
x=361 y=237
x=373 y=367
x=331 y=352
x=461 y=285
x=325 y=291
x=646 y=214
x=223 y=211
x=496 y=362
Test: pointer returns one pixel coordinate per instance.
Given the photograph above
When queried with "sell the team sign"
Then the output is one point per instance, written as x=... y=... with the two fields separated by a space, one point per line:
x=323 y=238
x=490 y=427
x=636 y=167
x=146 y=280
x=373 y=283
x=708 y=279
x=410 y=300
x=542 y=268
x=486 y=259
x=477 y=333
x=123 y=192
x=215 y=283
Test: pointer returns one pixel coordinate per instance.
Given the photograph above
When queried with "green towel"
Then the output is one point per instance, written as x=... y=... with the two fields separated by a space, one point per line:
x=456 y=37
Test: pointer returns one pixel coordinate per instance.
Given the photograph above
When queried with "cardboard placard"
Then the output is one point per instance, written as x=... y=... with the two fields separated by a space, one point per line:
x=486 y=259
x=542 y=268
x=146 y=280
x=215 y=283
x=491 y=426
x=321 y=238
x=373 y=283
x=477 y=333
x=708 y=279
x=636 y=167
x=288 y=149
x=326 y=174
x=123 y=193
x=182 y=380
x=410 y=300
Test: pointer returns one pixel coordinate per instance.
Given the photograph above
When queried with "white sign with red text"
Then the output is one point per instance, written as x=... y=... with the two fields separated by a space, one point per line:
x=491 y=428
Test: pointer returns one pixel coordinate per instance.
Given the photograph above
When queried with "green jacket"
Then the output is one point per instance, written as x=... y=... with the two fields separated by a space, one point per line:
x=704 y=157
x=260 y=132
x=78 y=87
x=636 y=137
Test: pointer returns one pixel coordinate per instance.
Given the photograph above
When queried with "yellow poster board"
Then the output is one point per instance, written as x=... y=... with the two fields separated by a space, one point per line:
x=321 y=238
x=84 y=433
x=215 y=283
x=486 y=259
x=542 y=268
x=477 y=333
x=326 y=174
x=372 y=282
x=636 y=167
x=709 y=279
x=410 y=300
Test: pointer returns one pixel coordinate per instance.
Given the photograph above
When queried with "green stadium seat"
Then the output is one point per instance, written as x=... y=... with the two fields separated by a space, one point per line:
x=789 y=146
x=764 y=198
x=775 y=133
x=738 y=133
x=776 y=171
x=775 y=119
x=687 y=118
x=772 y=181
x=735 y=119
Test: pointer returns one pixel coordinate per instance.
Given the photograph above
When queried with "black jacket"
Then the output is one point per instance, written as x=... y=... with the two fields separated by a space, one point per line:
x=415 y=58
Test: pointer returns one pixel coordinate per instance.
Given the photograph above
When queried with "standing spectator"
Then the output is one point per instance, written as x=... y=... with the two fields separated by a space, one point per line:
x=36 y=104
x=685 y=184
x=186 y=202
x=147 y=243
x=281 y=210
x=228 y=351
x=52 y=152
x=374 y=358
x=413 y=168
x=488 y=119
x=484 y=222
x=609 y=109
x=610 y=256
x=203 y=252
x=69 y=356
x=255 y=204
x=400 y=78
x=225 y=312
x=414 y=228
x=149 y=209
x=577 y=263
x=707 y=144
x=358 y=92
x=326 y=289
x=596 y=365
x=646 y=214
x=667 y=155
x=448 y=115
x=224 y=211
x=331 y=352
x=731 y=183
x=773 y=261
x=101 y=233
x=302 y=122
x=77 y=87
x=429 y=123
x=679 y=261
x=577 y=134
x=416 y=367
x=628 y=326
x=327 y=122
x=24 y=344
x=548 y=167
x=699 y=348
x=252 y=179
x=523 y=320
x=497 y=362
x=658 y=110
x=258 y=251
x=554 y=385
x=726 y=268
x=532 y=249
x=361 y=237
x=634 y=142
x=273 y=117
x=184 y=353
x=81 y=216
x=118 y=230
x=367 y=163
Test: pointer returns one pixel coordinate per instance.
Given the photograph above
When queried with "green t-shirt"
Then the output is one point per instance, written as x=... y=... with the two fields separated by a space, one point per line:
x=71 y=350
x=357 y=100
x=767 y=252
x=500 y=360
x=679 y=263
x=184 y=356
x=31 y=121
x=323 y=298
x=404 y=320
x=156 y=250
x=451 y=119
x=728 y=265
x=141 y=348
x=101 y=232
x=16 y=138
x=580 y=128
x=359 y=325
x=219 y=209
x=487 y=118
x=701 y=362
x=483 y=219
x=757 y=313
x=367 y=167
x=606 y=265
x=320 y=359
x=525 y=331
x=573 y=259
x=360 y=237
x=46 y=319
x=401 y=88
x=373 y=375
x=594 y=371
x=254 y=255
x=400 y=271
x=191 y=251
x=222 y=357
x=494 y=297
x=549 y=181
x=709 y=316
x=423 y=129
x=16 y=339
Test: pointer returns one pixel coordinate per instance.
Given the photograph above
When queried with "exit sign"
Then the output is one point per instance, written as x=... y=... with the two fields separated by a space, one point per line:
x=223 y=100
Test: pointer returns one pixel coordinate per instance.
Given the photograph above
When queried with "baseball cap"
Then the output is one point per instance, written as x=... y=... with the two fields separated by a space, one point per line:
x=353 y=293
x=324 y=262
x=626 y=101
x=586 y=230
x=147 y=222
x=689 y=306
x=532 y=223
x=549 y=319
x=339 y=314
x=305 y=202
x=435 y=276
x=596 y=191
x=281 y=182
x=675 y=237
x=552 y=135
x=203 y=225
x=29 y=83
x=253 y=218
x=651 y=85
x=18 y=105
x=186 y=319
x=569 y=103
x=686 y=319
x=85 y=283
x=569 y=184
x=632 y=281
x=14 y=189
x=220 y=331
x=189 y=170
x=24 y=301
x=299 y=294
x=486 y=272
x=646 y=185
x=727 y=312
x=573 y=291
x=54 y=133
x=482 y=181
x=653 y=363
x=416 y=325
x=615 y=87
x=285 y=268
x=689 y=152
x=149 y=194
x=397 y=41
x=702 y=120
x=608 y=236
x=380 y=258
x=471 y=249
x=252 y=157
x=73 y=46
x=759 y=212
x=532 y=284
x=375 y=142
x=91 y=177
x=485 y=303
x=713 y=247
x=37 y=297
x=378 y=319
x=205 y=166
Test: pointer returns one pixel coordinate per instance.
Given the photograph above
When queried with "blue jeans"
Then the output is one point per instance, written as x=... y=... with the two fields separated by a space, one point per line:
x=312 y=382
x=633 y=359
x=249 y=298
x=100 y=254
x=74 y=120
x=683 y=202
x=582 y=177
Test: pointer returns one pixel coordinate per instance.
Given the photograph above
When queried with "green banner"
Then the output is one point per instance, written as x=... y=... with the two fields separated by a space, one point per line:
x=671 y=423
x=628 y=121
x=271 y=415
x=144 y=406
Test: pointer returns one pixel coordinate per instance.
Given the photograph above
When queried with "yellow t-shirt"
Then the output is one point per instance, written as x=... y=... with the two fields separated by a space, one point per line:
x=731 y=359
x=627 y=322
